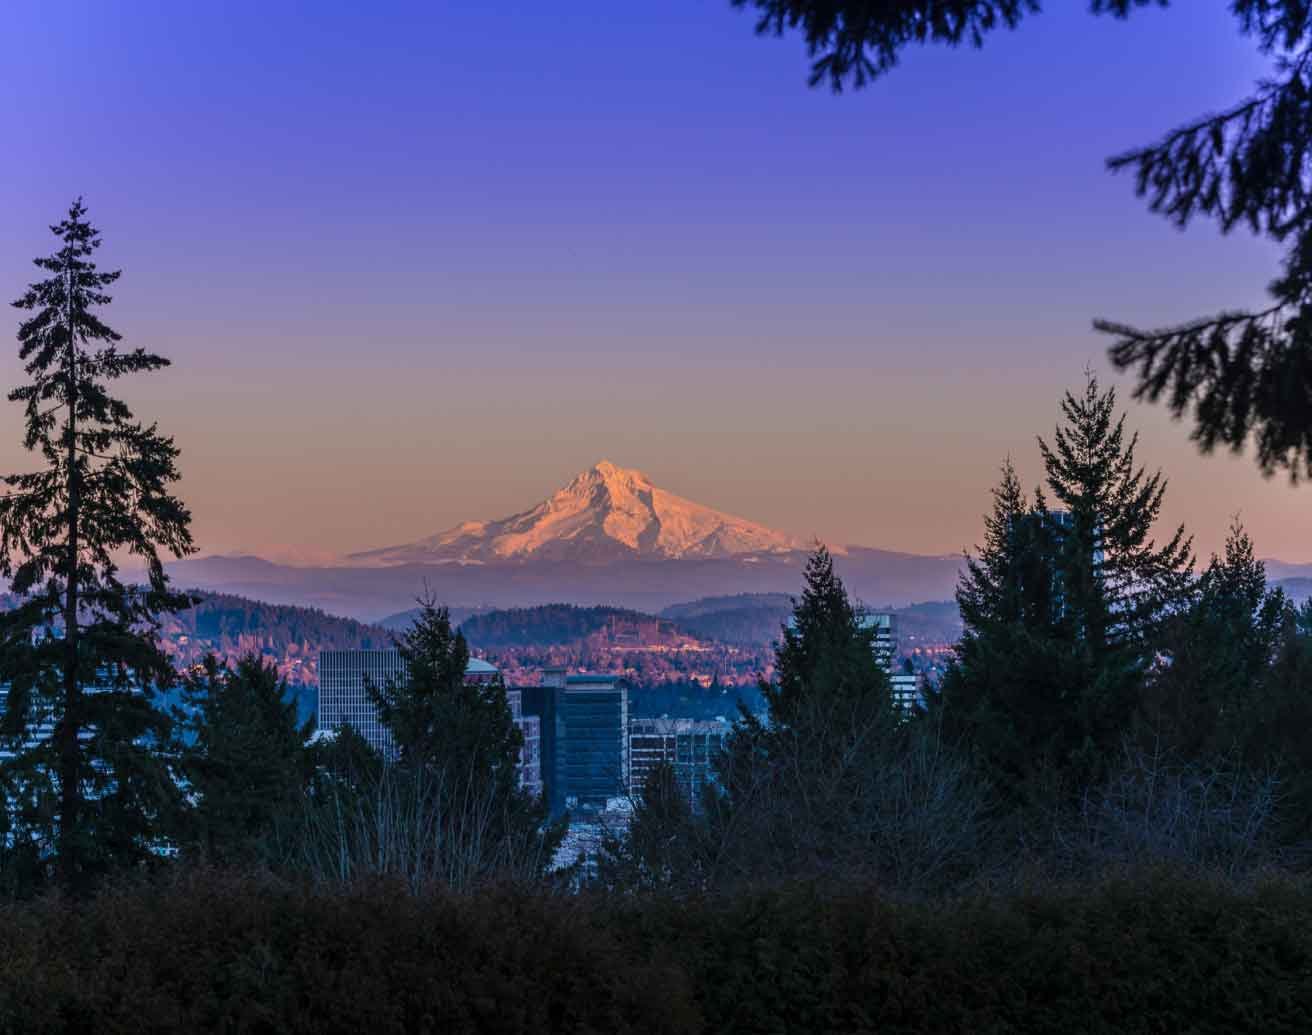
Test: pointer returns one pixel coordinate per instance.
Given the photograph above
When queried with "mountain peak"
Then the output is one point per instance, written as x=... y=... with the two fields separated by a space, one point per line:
x=607 y=473
x=605 y=513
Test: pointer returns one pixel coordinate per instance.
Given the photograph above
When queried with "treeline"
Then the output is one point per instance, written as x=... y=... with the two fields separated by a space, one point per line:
x=754 y=626
x=239 y=782
x=228 y=623
x=754 y=620
x=1107 y=707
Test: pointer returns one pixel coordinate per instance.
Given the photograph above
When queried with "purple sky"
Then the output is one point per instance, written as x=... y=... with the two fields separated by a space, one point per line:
x=420 y=263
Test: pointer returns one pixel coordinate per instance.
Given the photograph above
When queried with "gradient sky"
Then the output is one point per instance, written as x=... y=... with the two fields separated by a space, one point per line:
x=421 y=263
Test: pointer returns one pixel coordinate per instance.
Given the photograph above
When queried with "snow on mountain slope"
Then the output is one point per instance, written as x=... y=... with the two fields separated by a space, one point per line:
x=605 y=513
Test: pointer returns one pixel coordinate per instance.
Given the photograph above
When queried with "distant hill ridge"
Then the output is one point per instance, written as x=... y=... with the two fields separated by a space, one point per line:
x=225 y=616
x=735 y=602
x=554 y=624
x=1298 y=589
x=755 y=619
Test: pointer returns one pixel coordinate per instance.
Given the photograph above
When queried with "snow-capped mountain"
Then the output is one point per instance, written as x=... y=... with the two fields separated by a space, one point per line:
x=606 y=513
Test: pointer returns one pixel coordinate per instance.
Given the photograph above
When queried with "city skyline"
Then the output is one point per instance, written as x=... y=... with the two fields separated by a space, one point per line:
x=443 y=280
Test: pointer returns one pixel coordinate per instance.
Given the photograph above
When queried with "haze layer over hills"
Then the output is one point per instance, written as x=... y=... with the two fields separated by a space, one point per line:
x=609 y=537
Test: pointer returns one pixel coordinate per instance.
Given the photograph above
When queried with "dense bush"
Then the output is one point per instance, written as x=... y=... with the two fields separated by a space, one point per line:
x=221 y=953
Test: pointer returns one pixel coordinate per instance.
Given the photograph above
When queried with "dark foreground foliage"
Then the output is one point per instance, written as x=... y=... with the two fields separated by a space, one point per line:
x=217 y=952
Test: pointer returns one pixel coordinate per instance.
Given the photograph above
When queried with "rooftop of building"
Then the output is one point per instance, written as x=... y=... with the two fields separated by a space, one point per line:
x=672 y=725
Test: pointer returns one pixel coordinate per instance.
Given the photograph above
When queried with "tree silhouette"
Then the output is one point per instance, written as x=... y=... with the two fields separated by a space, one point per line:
x=80 y=652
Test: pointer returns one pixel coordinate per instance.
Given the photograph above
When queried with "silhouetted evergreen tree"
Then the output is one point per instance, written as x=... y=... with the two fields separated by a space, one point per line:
x=1117 y=586
x=459 y=739
x=997 y=696
x=1013 y=578
x=1064 y=609
x=1206 y=697
x=663 y=844
x=247 y=765
x=435 y=713
x=825 y=662
x=805 y=791
x=344 y=761
x=80 y=653
x=827 y=683
x=1279 y=736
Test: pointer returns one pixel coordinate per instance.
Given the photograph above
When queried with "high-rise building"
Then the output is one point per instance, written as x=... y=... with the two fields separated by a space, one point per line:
x=884 y=626
x=584 y=739
x=343 y=697
x=44 y=726
x=906 y=692
x=905 y=685
x=529 y=767
x=43 y=730
x=690 y=746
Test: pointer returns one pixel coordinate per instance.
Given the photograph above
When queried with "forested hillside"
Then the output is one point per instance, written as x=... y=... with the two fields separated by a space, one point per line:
x=754 y=619
x=727 y=640
x=748 y=619
x=230 y=627
x=555 y=624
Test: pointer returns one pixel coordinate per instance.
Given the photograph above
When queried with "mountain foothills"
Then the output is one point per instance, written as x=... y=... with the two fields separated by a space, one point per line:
x=725 y=641
x=289 y=638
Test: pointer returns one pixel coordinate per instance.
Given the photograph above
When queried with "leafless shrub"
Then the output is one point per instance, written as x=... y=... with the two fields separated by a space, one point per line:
x=427 y=826
x=869 y=800
x=1155 y=810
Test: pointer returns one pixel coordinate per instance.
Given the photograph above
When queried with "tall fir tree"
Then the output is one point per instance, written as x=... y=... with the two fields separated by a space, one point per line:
x=662 y=847
x=1284 y=718
x=461 y=734
x=827 y=682
x=435 y=713
x=1064 y=610
x=80 y=652
x=1012 y=579
x=245 y=759
x=1118 y=586
x=825 y=662
x=797 y=789
x=1001 y=694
